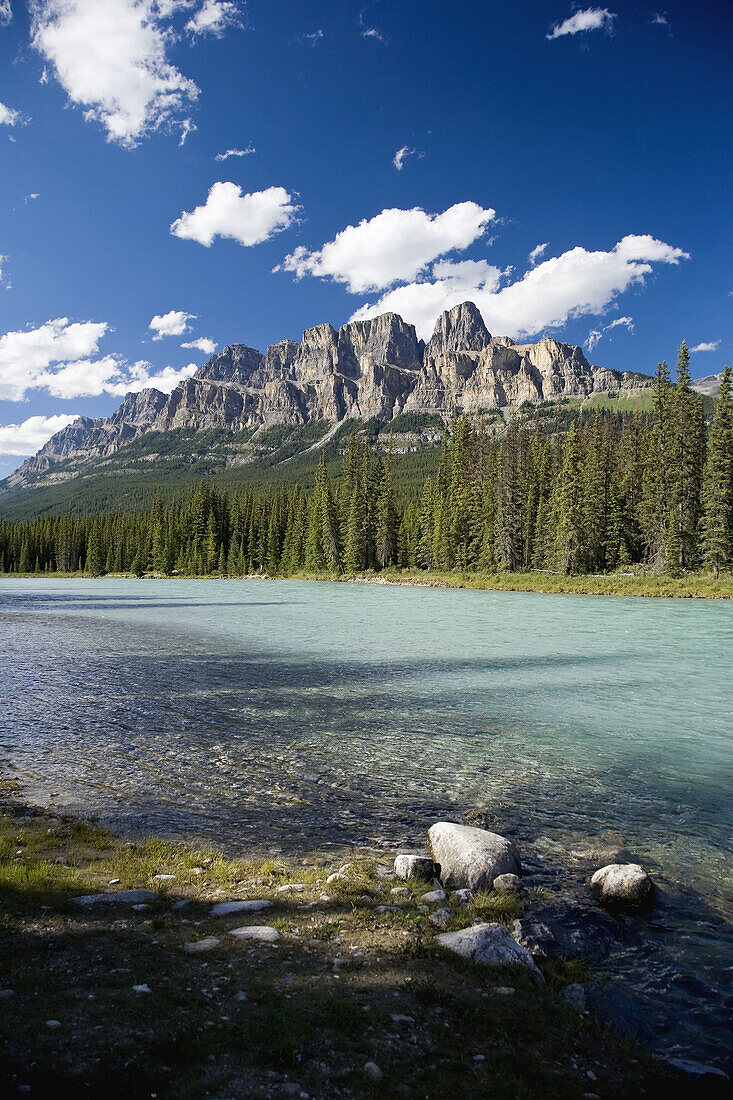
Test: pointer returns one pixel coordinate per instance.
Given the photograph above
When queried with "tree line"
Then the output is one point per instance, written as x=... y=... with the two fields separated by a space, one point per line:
x=653 y=489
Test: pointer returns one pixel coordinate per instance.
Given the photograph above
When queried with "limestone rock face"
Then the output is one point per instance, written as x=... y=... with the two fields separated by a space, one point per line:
x=370 y=368
x=471 y=858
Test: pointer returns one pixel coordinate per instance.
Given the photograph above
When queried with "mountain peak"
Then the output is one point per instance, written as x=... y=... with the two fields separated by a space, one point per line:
x=461 y=328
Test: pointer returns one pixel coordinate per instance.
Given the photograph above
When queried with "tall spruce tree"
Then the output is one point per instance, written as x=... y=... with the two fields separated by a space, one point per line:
x=717 y=499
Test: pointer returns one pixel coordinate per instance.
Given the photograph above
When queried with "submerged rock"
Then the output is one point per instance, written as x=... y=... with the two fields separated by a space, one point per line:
x=414 y=865
x=623 y=886
x=471 y=857
x=489 y=944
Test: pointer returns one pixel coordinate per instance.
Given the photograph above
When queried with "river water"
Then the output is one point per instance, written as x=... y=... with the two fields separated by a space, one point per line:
x=295 y=716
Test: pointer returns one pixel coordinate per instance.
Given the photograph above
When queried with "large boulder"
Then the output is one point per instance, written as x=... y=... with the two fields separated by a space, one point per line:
x=623 y=886
x=489 y=944
x=470 y=857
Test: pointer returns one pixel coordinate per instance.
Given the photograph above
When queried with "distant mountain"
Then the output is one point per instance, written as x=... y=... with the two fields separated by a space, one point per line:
x=367 y=369
x=709 y=385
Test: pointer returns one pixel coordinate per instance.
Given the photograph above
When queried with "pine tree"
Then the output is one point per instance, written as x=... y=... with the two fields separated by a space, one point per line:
x=687 y=447
x=95 y=556
x=568 y=506
x=717 y=507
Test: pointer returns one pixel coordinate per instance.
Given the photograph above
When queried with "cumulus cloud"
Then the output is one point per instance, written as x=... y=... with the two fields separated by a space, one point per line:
x=29 y=437
x=573 y=284
x=710 y=345
x=394 y=246
x=208 y=347
x=59 y=357
x=111 y=59
x=235 y=153
x=174 y=323
x=402 y=154
x=6 y=14
x=8 y=117
x=590 y=19
x=538 y=251
x=214 y=17
x=248 y=219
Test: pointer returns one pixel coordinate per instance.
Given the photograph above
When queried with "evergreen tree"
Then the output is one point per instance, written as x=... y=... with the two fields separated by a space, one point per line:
x=717 y=511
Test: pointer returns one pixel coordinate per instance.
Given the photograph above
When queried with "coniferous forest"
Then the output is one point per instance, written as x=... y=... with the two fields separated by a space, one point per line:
x=575 y=498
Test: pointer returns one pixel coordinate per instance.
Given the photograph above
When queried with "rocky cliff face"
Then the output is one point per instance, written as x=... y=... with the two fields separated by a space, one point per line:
x=374 y=368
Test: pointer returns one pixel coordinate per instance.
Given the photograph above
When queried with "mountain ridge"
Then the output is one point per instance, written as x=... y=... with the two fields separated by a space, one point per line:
x=374 y=368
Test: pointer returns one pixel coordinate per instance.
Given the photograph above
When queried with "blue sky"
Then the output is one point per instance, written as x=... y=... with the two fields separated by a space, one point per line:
x=566 y=167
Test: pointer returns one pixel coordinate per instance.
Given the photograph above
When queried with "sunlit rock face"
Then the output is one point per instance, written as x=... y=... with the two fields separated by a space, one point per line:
x=371 y=368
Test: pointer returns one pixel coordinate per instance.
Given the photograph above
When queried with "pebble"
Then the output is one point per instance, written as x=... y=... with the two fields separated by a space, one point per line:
x=387 y=909
x=504 y=990
x=206 y=944
x=291 y=886
x=372 y=1071
x=433 y=897
x=224 y=908
x=399 y=1018
x=143 y=988
x=164 y=878
x=53 y=1024
x=401 y=892
x=114 y=882
x=261 y=932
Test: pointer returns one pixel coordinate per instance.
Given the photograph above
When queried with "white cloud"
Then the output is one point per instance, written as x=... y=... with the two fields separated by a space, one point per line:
x=58 y=357
x=538 y=251
x=710 y=345
x=187 y=127
x=590 y=19
x=394 y=246
x=208 y=347
x=235 y=153
x=402 y=154
x=29 y=198
x=312 y=39
x=174 y=323
x=659 y=19
x=248 y=219
x=111 y=59
x=596 y=334
x=372 y=32
x=214 y=17
x=573 y=284
x=6 y=14
x=8 y=117
x=29 y=437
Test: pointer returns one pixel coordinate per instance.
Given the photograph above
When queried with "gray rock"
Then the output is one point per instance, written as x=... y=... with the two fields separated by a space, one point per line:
x=576 y=996
x=696 y=1070
x=508 y=884
x=372 y=1071
x=471 y=857
x=488 y=944
x=441 y=917
x=260 y=932
x=164 y=878
x=623 y=886
x=401 y=893
x=206 y=944
x=433 y=897
x=115 y=897
x=461 y=898
x=224 y=908
x=414 y=865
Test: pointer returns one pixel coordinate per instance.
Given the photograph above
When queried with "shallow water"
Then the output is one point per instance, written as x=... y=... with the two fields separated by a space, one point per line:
x=292 y=716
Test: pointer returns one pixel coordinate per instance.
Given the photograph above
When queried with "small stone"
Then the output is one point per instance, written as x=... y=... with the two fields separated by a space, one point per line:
x=505 y=990
x=401 y=892
x=414 y=865
x=114 y=882
x=143 y=988
x=115 y=897
x=490 y=944
x=462 y=898
x=387 y=909
x=140 y=908
x=291 y=886
x=261 y=932
x=479 y=1057
x=623 y=886
x=334 y=877
x=399 y=1018
x=164 y=878
x=434 y=897
x=575 y=995
x=508 y=884
x=290 y=1088
x=372 y=1071
x=53 y=1024
x=206 y=944
x=441 y=917
x=224 y=908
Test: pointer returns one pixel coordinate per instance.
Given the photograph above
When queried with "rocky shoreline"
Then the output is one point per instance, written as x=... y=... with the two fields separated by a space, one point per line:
x=575 y=948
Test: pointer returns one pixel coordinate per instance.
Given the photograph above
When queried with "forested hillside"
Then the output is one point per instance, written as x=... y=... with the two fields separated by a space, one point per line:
x=576 y=494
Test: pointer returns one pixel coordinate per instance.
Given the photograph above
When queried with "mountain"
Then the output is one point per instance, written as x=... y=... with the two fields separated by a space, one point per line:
x=709 y=385
x=367 y=369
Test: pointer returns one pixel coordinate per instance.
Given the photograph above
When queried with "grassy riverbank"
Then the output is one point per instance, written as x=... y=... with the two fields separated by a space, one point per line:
x=690 y=586
x=344 y=985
